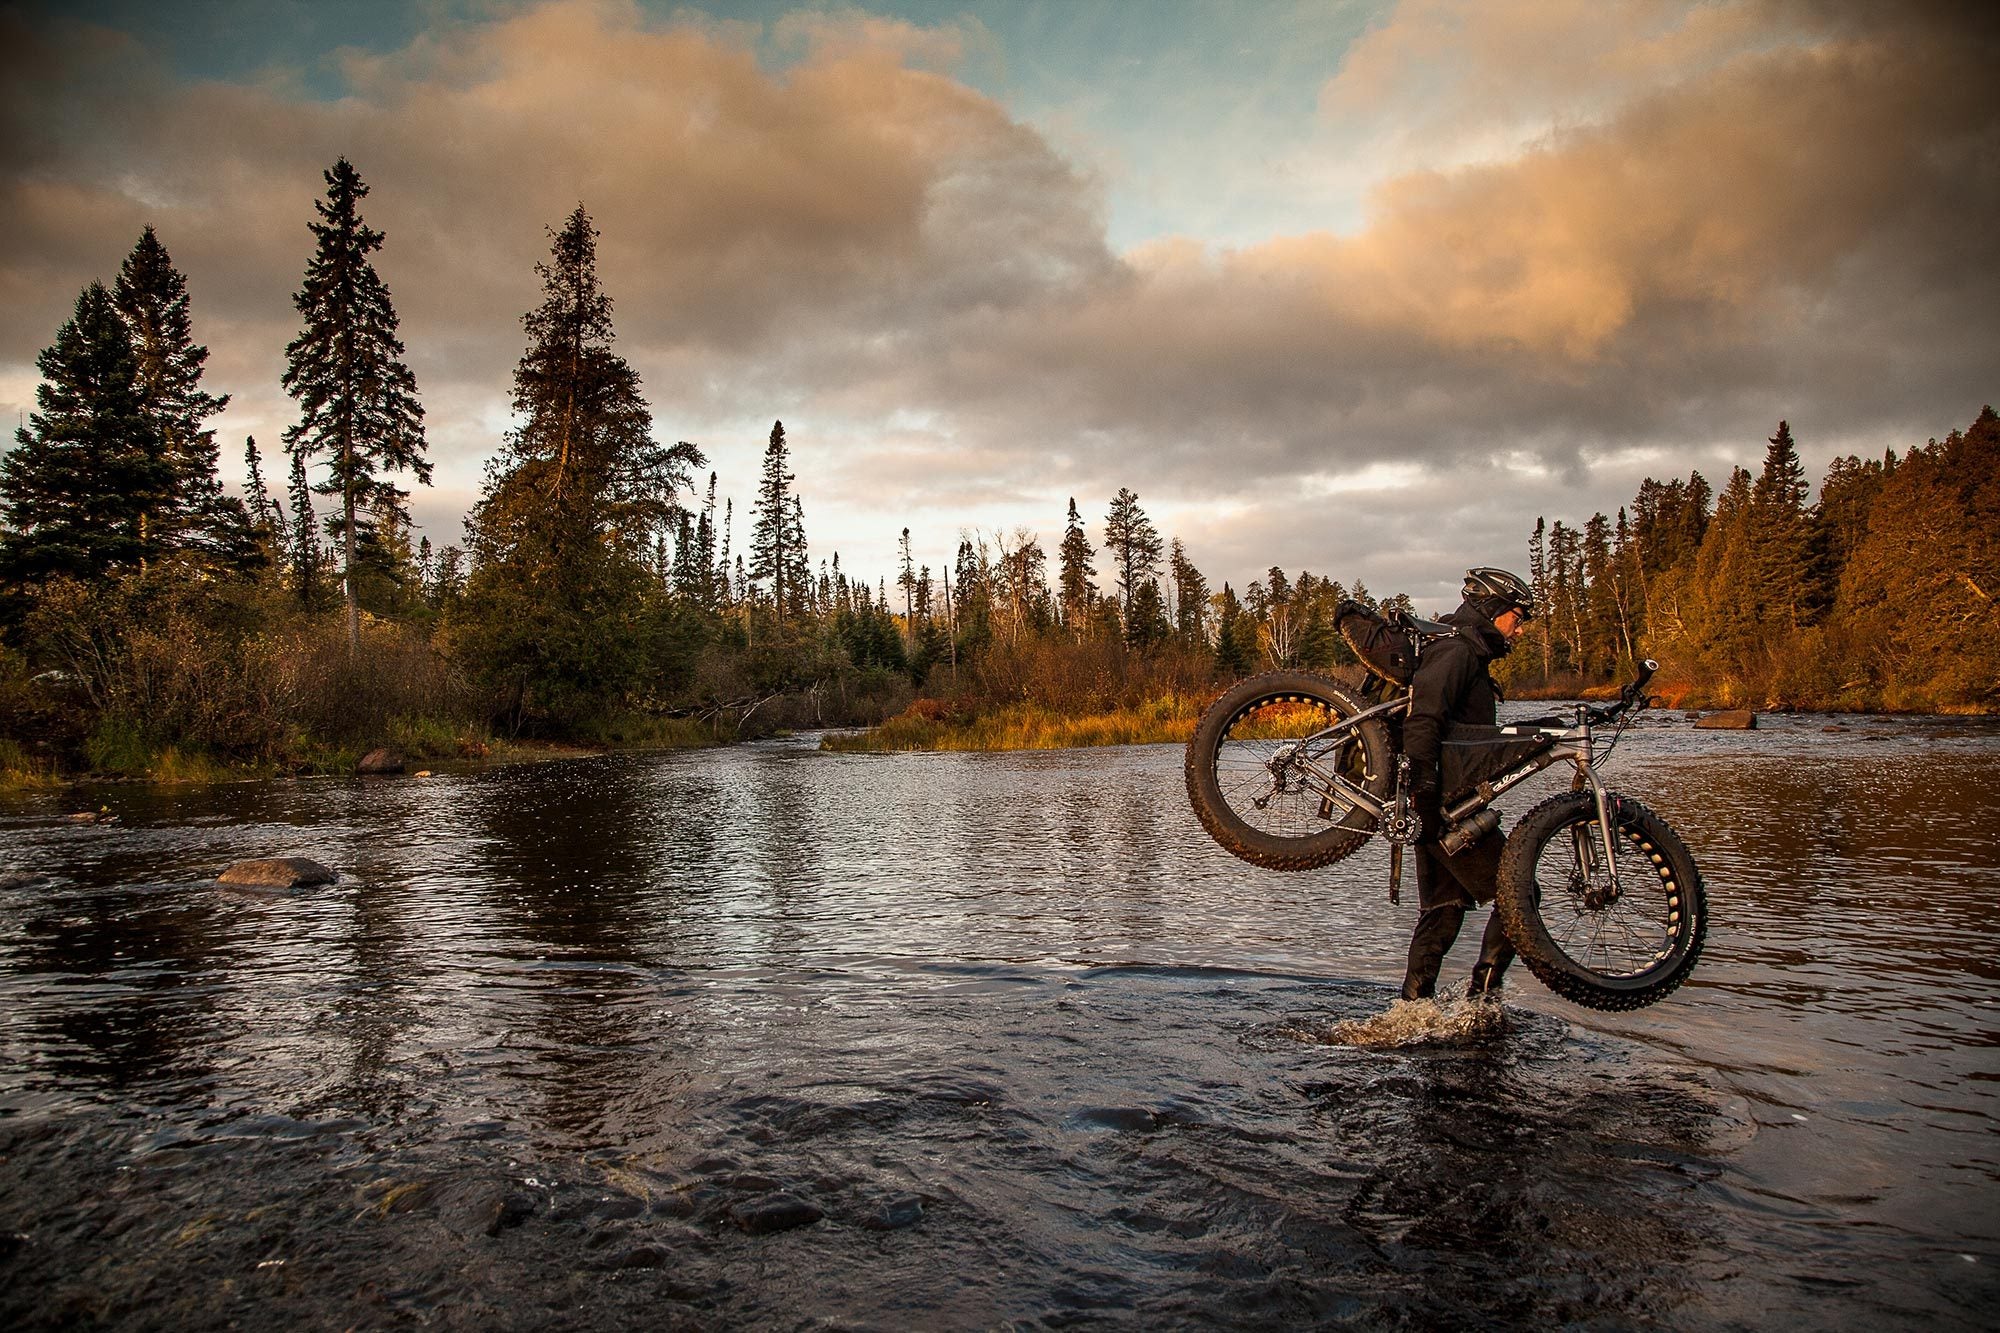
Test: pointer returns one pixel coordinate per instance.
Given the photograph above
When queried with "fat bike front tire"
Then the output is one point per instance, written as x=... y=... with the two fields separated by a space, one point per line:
x=1597 y=942
x=1253 y=769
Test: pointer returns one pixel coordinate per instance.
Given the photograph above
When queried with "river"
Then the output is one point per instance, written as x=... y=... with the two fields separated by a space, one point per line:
x=779 y=1038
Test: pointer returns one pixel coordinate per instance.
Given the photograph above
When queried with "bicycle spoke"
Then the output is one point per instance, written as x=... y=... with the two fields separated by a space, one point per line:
x=1616 y=930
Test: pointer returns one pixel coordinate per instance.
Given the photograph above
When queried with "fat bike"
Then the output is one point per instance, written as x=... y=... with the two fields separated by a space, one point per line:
x=1292 y=770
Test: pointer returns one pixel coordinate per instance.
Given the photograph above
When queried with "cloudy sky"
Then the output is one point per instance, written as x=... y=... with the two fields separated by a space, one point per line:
x=1359 y=286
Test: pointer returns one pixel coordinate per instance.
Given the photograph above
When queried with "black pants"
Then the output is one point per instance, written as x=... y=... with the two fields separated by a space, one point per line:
x=1446 y=887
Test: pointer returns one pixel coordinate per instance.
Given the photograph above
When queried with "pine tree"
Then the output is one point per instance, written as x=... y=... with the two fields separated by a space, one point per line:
x=906 y=579
x=1146 y=616
x=706 y=592
x=1840 y=520
x=1133 y=543
x=1079 y=589
x=771 y=556
x=1234 y=637
x=975 y=599
x=1726 y=627
x=303 y=541
x=583 y=467
x=152 y=296
x=798 y=571
x=358 y=401
x=566 y=534
x=266 y=517
x=89 y=473
x=1600 y=632
x=1190 y=597
x=1780 y=535
x=1538 y=576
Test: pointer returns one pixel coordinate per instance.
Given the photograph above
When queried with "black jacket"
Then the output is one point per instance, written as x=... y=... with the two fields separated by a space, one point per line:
x=1451 y=685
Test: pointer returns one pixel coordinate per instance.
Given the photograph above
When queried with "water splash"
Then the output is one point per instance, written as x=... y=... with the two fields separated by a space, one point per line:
x=1447 y=1021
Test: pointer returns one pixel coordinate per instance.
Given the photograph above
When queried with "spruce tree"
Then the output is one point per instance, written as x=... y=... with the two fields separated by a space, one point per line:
x=1190 y=597
x=798 y=576
x=583 y=465
x=152 y=296
x=1233 y=637
x=772 y=558
x=1133 y=543
x=565 y=536
x=1780 y=535
x=1146 y=616
x=906 y=579
x=1075 y=574
x=1725 y=583
x=89 y=474
x=302 y=542
x=264 y=514
x=357 y=399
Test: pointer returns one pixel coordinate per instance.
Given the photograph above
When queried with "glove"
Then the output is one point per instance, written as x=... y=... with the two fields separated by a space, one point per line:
x=1427 y=802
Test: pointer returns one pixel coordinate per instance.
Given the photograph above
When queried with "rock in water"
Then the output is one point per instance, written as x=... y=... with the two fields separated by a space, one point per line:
x=1736 y=719
x=905 y=1210
x=283 y=872
x=775 y=1212
x=382 y=760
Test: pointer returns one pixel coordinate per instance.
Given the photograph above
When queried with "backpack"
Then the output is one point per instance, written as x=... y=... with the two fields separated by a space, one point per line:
x=1387 y=647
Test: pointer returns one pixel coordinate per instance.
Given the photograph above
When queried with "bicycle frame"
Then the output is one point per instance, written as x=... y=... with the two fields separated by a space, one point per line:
x=1575 y=744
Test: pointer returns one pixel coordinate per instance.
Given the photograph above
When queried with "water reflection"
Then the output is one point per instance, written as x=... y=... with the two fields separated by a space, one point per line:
x=1025 y=1040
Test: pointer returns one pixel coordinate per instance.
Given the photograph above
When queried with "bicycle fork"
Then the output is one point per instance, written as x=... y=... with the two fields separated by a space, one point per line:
x=1587 y=853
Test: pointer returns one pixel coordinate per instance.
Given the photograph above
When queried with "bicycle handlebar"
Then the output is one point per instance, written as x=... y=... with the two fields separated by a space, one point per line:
x=1627 y=697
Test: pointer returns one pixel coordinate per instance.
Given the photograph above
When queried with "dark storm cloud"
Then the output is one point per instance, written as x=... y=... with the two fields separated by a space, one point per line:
x=1743 y=212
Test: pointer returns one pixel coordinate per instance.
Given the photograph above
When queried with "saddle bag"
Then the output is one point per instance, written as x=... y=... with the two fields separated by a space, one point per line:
x=1385 y=647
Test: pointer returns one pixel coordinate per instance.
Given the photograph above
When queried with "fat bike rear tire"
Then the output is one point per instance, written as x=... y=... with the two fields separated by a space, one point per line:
x=1595 y=943
x=1246 y=776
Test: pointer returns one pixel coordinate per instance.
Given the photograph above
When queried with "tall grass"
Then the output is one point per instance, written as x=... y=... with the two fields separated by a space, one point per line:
x=1168 y=718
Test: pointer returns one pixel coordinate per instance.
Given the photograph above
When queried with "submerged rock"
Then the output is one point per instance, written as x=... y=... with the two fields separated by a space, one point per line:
x=905 y=1210
x=1734 y=719
x=775 y=1212
x=381 y=761
x=483 y=1208
x=282 y=872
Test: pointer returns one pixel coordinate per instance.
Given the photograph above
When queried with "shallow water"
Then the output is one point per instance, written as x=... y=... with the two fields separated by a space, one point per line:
x=780 y=1038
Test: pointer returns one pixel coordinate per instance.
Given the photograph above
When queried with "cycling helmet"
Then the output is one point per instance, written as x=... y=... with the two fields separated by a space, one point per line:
x=1501 y=591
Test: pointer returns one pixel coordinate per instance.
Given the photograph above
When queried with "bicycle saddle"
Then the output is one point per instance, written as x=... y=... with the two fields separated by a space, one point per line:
x=1430 y=629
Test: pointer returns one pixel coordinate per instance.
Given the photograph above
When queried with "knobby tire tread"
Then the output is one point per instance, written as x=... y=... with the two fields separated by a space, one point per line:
x=1521 y=918
x=1270 y=851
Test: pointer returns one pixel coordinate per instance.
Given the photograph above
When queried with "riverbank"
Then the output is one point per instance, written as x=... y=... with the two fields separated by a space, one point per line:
x=419 y=746
x=931 y=724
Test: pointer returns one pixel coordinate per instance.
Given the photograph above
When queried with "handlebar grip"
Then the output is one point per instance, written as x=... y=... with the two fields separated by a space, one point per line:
x=1632 y=693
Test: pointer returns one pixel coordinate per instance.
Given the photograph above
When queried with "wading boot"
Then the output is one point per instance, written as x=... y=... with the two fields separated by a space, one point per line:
x=1494 y=955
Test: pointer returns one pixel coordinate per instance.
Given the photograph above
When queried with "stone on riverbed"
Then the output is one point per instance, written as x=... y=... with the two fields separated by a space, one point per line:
x=905 y=1210
x=775 y=1212
x=1734 y=719
x=282 y=872
x=483 y=1208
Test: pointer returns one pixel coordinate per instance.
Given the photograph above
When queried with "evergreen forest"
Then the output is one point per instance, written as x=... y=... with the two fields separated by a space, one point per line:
x=154 y=624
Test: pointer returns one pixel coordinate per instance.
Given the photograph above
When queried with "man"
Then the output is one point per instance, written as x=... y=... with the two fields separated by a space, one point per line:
x=1452 y=685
